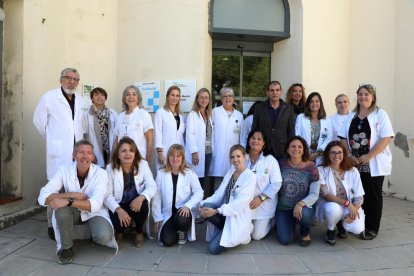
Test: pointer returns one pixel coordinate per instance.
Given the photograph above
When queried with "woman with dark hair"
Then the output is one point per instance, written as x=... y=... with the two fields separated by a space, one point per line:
x=367 y=137
x=341 y=192
x=314 y=127
x=268 y=182
x=130 y=189
x=99 y=126
x=135 y=122
x=169 y=124
x=227 y=210
x=296 y=97
x=298 y=194
x=174 y=205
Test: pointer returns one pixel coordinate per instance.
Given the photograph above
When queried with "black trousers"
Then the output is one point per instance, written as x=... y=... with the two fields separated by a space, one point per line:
x=372 y=200
x=168 y=235
x=138 y=217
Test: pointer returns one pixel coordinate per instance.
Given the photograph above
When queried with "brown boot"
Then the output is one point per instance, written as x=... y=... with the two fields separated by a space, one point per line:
x=139 y=240
x=119 y=237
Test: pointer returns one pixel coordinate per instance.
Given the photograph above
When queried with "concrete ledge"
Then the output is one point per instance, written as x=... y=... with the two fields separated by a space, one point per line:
x=16 y=217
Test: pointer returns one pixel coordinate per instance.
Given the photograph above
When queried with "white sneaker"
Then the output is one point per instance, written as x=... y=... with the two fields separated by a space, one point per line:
x=182 y=237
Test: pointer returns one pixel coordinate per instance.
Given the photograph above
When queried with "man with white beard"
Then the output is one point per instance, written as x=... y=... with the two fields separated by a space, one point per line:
x=58 y=118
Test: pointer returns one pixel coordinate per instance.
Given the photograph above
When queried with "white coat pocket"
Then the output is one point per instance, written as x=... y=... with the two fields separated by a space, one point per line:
x=54 y=148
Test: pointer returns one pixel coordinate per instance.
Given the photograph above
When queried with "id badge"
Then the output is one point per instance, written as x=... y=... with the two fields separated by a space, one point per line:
x=208 y=143
x=236 y=129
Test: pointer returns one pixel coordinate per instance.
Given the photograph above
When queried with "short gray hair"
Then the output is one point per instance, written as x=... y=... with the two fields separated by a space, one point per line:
x=82 y=142
x=124 y=105
x=67 y=70
x=225 y=90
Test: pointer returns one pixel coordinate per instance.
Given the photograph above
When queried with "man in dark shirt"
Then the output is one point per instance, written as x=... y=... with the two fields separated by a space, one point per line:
x=276 y=119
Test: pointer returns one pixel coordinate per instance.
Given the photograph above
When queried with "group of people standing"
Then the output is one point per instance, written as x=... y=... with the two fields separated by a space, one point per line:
x=273 y=179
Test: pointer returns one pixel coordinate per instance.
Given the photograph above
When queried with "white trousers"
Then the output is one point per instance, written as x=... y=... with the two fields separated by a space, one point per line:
x=261 y=227
x=333 y=213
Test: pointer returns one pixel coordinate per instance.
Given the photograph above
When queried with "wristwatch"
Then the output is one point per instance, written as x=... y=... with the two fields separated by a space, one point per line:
x=70 y=200
x=262 y=197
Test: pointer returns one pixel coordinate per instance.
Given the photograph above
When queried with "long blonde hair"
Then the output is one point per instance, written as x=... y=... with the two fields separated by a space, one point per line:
x=371 y=90
x=173 y=149
x=167 y=105
x=196 y=106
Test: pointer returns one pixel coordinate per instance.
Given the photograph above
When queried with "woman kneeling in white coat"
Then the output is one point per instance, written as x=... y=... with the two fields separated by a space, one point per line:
x=228 y=209
x=174 y=205
x=268 y=182
x=130 y=189
x=342 y=193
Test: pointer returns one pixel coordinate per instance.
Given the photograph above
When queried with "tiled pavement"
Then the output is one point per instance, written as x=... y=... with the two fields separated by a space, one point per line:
x=26 y=250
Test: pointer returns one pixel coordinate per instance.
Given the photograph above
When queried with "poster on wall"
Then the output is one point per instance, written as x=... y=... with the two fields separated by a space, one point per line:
x=188 y=92
x=150 y=95
x=86 y=95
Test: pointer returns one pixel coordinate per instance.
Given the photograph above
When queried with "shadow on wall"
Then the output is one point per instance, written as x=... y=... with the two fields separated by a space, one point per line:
x=400 y=141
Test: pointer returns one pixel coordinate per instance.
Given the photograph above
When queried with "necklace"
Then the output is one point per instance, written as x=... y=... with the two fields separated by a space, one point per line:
x=297 y=165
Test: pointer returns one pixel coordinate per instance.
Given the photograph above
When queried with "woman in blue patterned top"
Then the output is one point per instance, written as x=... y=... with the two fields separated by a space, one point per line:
x=299 y=192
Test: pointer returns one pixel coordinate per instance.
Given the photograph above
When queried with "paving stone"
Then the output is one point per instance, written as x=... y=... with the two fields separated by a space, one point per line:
x=319 y=262
x=185 y=262
x=86 y=254
x=101 y=271
x=62 y=270
x=28 y=228
x=11 y=244
x=279 y=264
x=399 y=236
x=135 y=258
x=399 y=271
x=39 y=249
x=231 y=263
x=18 y=265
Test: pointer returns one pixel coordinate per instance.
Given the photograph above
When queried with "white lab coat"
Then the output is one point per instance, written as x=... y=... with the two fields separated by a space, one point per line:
x=138 y=124
x=226 y=134
x=165 y=131
x=95 y=187
x=53 y=120
x=338 y=124
x=303 y=129
x=91 y=135
x=144 y=183
x=381 y=127
x=268 y=182
x=352 y=184
x=246 y=127
x=238 y=225
x=189 y=193
x=196 y=141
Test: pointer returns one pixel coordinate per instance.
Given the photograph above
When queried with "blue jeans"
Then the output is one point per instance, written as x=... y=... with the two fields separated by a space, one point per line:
x=217 y=220
x=286 y=222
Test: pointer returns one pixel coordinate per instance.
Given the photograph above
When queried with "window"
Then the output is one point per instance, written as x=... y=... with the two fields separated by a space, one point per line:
x=246 y=72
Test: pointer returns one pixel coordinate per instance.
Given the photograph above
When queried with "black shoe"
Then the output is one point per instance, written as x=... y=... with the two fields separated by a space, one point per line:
x=51 y=233
x=367 y=235
x=305 y=243
x=341 y=230
x=330 y=237
x=65 y=256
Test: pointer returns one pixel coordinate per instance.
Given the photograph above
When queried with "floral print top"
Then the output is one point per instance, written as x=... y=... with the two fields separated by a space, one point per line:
x=359 y=140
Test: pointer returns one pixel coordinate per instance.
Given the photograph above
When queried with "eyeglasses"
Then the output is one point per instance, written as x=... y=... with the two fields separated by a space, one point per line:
x=228 y=96
x=71 y=79
x=336 y=153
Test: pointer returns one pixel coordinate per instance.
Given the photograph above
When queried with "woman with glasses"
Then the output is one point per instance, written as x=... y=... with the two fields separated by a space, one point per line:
x=367 y=137
x=341 y=194
x=99 y=126
x=227 y=210
x=227 y=124
x=135 y=122
x=169 y=125
x=298 y=194
x=296 y=97
x=268 y=182
x=199 y=138
x=314 y=127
